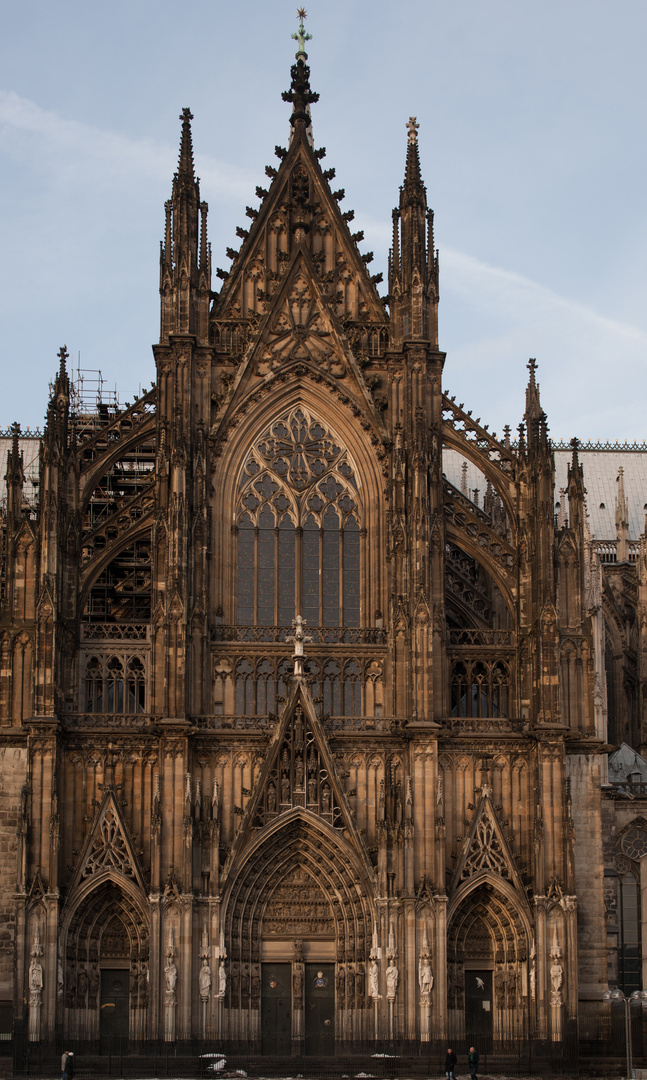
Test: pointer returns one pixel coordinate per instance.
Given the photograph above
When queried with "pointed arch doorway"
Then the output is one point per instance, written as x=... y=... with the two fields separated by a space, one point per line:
x=488 y=979
x=296 y=928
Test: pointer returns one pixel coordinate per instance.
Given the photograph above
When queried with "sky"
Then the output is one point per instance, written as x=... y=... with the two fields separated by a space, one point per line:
x=532 y=144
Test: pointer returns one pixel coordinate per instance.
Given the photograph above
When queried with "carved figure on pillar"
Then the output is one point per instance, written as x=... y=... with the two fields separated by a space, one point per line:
x=373 y=980
x=204 y=979
x=392 y=977
x=222 y=979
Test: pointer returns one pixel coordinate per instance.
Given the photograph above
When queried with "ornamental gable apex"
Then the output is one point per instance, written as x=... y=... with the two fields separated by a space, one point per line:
x=486 y=850
x=298 y=775
x=108 y=851
x=299 y=209
x=300 y=332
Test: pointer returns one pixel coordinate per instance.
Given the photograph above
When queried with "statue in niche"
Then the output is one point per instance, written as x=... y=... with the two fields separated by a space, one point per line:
x=142 y=985
x=222 y=979
x=271 y=799
x=82 y=988
x=350 y=984
x=340 y=988
x=170 y=975
x=285 y=790
x=426 y=979
x=298 y=727
x=373 y=980
x=312 y=790
x=204 y=979
x=298 y=771
x=359 y=981
x=297 y=985
x=325 y=799
x=35 y=981
x=392 y=976
x=556 y=982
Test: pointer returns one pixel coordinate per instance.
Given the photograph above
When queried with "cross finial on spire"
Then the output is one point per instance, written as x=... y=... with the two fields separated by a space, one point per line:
x=186 y=114
x=532 y=366
x=62 y=355
x=412 y=127
x=301 y=36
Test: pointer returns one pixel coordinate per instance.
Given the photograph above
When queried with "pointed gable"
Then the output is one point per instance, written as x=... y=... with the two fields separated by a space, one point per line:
x=299 y=774
x=486 y=850
x=299 y=210
x=108 y=850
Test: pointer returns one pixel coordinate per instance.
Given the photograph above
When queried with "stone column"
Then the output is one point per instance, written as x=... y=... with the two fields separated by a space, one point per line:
x=298 y=1031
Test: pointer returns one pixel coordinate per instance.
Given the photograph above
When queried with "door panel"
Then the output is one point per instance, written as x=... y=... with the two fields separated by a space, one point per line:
x=479 y=1009
x=320 y=1009
x=276 y=1008
x=113 y=1029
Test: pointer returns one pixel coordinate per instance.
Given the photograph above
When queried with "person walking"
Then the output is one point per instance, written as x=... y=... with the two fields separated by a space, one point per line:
x=69 y=1065
x=473 y=1062
x=64 y=1058
x=450 y=1064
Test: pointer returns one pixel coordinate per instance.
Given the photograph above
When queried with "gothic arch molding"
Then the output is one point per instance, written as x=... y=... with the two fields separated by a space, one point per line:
x=296 y=840
x=142 y=531
x=509 y=897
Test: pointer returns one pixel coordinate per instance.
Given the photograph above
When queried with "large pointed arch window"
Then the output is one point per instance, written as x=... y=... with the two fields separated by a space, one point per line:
x=298 y=524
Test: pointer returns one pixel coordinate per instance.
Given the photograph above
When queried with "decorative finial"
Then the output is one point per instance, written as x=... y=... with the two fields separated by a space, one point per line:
x=62 y=354
x=186 y=115
x=301 y=36
x=299 y=639
x=532 y=366
x=412 y=127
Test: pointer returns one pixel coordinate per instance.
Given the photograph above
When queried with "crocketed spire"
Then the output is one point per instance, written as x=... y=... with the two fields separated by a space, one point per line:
x=300 y=94
x=185 y=170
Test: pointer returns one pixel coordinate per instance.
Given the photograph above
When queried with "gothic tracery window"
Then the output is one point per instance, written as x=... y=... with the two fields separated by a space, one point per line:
x=298 y=522
x=115 y=684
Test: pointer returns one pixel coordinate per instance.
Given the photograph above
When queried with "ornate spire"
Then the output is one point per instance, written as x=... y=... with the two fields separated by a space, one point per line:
x=300 y=94
x=185 y=274
x=413 y=185
x=622 y=520
x=533 y=404
x=413 y=263
x=185 y=170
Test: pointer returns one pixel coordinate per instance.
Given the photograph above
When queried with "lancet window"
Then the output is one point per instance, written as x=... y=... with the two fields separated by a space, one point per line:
x=480 y=688
x=298 y=525
x=114 y=684
x=633 y=846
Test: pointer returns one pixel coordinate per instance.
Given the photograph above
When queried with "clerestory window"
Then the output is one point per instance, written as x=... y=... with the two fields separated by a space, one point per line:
x=298 y=524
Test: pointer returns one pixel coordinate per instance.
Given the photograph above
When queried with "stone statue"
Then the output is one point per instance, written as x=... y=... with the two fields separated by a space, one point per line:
x=204 y=979
x=35 y=979
x=425 y=977
x=222 y=979
x=170 y=974
x=373 y=976
x=297 y=985
x=392 y=976
x=556 y=980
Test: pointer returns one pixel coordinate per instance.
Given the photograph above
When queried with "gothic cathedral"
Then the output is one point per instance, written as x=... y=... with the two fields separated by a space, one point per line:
x=303 y=742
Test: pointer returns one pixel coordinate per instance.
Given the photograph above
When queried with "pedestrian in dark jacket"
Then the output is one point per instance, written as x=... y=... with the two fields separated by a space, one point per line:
x=473 y=1062
x=450 y=1064
x=69 y=1066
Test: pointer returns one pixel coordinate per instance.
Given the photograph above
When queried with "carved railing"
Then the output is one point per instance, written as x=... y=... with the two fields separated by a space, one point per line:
x=607 y=550
x=483 y=638
x=235 y=723
x=115 y=631
x=482 y=725
x=348 y=724
x=111 y=721
x=321 y=635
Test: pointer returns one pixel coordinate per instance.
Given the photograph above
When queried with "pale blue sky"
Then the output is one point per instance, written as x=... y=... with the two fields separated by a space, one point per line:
x=533 y=148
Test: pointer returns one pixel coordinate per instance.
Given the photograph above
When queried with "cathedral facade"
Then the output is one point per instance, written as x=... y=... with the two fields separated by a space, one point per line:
x=305 y=675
